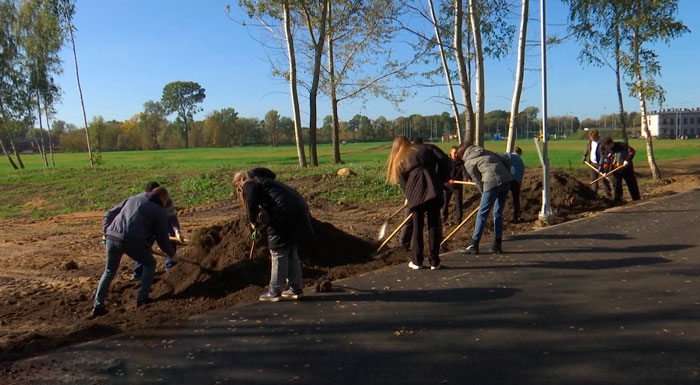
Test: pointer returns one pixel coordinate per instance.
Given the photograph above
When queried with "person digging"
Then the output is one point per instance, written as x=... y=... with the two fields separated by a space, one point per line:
x=130 y=228
x=281 y=212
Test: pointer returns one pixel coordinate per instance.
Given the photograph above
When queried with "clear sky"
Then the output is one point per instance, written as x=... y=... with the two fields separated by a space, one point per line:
x=129 y=49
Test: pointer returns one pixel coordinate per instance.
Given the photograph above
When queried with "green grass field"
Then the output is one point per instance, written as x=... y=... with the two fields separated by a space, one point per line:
x=199 y=176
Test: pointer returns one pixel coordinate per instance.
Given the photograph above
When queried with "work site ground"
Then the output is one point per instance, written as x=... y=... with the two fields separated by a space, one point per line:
x=607 y=299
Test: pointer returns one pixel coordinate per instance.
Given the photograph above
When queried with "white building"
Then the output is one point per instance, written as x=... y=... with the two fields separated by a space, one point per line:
x=671 y=123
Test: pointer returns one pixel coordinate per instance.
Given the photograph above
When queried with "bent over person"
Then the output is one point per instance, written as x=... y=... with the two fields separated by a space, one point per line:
x=281 y=212
x=618 y=158
x=130 y=228
x=491 y=173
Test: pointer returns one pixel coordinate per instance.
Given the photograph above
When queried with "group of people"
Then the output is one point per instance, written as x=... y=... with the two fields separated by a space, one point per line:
x=427 y=177
x=425 y=173
x=610 y=163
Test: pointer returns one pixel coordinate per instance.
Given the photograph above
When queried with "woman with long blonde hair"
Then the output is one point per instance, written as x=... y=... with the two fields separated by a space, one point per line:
x=415 y=168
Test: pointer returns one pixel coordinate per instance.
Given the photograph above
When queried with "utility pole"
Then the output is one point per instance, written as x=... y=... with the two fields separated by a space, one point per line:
x=546 y=215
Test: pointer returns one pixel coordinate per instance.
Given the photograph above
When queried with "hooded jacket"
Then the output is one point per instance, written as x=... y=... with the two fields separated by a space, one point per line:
x=487 y=169
x=419 y=179
x=137 y=221
x=289 y=219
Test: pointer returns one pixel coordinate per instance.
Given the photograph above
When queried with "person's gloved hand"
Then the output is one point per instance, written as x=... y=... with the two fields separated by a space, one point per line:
x=451 y=181
x=625 y=163
x=255 y=236
x=104 y=239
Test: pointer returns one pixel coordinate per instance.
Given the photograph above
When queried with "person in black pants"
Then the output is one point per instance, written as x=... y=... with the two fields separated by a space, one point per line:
x=456 y=173
x=414 y=167
x=617 y=155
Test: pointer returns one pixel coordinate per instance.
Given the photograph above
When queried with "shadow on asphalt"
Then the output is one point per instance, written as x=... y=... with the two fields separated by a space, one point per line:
x=611 y=237
x=591 y=264
x=470 y=294
x=608 y=250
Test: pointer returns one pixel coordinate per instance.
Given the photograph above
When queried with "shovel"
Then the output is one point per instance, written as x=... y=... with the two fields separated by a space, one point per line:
x=459 y=226
x=593 y=168
x=408 y=218
x=606 y=175
x=382 y=230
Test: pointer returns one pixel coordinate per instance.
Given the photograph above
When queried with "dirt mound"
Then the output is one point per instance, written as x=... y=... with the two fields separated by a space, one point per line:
x=221 y=261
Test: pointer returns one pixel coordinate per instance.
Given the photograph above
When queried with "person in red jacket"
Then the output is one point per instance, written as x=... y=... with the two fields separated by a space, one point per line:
x=620 y=155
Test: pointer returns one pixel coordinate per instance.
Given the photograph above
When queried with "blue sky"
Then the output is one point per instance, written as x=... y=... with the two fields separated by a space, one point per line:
x=129 y=49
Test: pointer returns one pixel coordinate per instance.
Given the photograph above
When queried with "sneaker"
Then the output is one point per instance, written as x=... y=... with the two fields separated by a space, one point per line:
x=471 y=249
x=270 y=297
x=436 y=267
x=144 y=301
x=292 y=294
x=414 y=266
x=99 y=311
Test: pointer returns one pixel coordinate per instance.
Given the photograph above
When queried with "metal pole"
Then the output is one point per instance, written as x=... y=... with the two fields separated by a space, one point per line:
x=546 y=215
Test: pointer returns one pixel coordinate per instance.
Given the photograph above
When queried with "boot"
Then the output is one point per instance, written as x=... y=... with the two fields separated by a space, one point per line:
x=496 y=248
x=471 y=249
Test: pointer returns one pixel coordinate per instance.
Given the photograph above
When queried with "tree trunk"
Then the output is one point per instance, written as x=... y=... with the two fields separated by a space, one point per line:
x=655 y=173
x=14 y=150
x=316 y=75
x=445 y=69
x=519 y=75
x=464 y=78
x=619 y=81
x=479 y=93
x=187 y=132
x=7 y=154
x=48 y=128
x=80 y=91
x=41 y=131
x=298 y=135
x=335 y=137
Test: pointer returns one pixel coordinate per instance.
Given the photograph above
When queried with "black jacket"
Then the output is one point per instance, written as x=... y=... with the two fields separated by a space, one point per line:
x=419 y=179
x=289 y=219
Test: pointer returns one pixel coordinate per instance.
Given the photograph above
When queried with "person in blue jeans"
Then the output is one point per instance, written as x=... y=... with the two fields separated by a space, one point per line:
x=491 y=173
x=130 y=228
x=173 y=230
x=281 y=212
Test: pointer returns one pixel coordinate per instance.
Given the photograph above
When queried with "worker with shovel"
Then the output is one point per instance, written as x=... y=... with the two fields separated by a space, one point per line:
x=130 y=228
x=593 y=158
x=174 y=231
x=456 y=173
x=617 y=161
x=491 y=173
x=281 y=212
x=415 y=168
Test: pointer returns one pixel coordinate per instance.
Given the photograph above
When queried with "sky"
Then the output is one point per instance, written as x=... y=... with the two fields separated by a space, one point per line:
x=129 y=49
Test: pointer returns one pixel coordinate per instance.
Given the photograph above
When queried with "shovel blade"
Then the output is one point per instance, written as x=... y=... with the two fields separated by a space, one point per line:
x=382 y=231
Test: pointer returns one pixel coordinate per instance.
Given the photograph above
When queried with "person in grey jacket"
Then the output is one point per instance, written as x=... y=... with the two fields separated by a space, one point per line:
x=130 y=228
x=491 y=173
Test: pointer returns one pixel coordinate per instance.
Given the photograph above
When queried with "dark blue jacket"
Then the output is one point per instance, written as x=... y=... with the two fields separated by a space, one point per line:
x=137 y=221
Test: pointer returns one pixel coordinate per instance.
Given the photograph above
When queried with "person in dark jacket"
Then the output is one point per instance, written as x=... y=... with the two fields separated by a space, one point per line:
x=174 y=231
x=456 y=173
x=517 y=171
x=281 y=212
x=619 y=154
x=491 y=173
x=414 y=167
x=594 y=156
x=130 y=228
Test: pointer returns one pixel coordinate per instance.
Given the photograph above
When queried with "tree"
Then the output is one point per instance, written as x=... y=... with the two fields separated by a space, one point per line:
x=273 y=127
x=274 y=14
x=182 y=97
x=68 y=10
x=152 y=122
x=519 y=75
x=221 y=128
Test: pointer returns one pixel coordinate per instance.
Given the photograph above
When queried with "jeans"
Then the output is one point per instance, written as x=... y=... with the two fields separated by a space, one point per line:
x=113 y=252
x=138 y=268
x=496 y=198
x=285 y=268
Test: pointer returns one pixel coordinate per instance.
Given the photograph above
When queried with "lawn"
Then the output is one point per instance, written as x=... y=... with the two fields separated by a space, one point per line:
x=199 y=176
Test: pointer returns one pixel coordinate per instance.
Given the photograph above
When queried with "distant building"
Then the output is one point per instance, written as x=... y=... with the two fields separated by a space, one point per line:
x=671 y=123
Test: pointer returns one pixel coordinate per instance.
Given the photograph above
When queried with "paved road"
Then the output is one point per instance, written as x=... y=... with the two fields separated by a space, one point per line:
x=610 y=299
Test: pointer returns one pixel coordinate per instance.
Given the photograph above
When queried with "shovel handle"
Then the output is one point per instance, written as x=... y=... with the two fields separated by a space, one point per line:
x=459 y=226
x=605 y=176
x=464 y=182
x=396 y=230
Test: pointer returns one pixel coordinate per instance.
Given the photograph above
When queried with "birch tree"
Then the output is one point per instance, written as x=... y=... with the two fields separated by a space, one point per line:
x=519 y=74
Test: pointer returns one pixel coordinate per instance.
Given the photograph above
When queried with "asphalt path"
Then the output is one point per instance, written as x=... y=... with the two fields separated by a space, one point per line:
x=609 y=299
